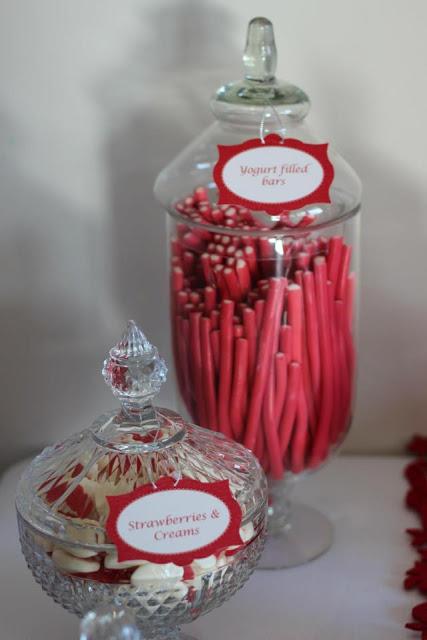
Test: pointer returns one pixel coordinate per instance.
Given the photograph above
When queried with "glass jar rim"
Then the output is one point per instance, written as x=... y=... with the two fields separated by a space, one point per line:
x=256 y=232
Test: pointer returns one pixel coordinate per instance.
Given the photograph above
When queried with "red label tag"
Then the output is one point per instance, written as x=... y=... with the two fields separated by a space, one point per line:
x=174 y=521
x=274 y=175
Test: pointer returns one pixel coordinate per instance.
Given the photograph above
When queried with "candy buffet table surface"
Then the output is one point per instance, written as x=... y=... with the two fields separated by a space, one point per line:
x=353 y=591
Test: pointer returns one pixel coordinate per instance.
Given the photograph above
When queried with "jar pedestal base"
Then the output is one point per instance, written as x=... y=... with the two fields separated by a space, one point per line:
x=306 y=536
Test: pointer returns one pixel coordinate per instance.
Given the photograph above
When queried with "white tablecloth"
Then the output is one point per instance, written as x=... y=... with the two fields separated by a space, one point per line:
x=353 y=592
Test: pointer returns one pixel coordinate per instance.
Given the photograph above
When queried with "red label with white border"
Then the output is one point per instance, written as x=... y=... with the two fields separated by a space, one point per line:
x=275 y=175
x=174 y=521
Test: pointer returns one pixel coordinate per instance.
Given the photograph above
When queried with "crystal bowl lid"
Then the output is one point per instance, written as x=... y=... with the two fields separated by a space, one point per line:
x=62 y=493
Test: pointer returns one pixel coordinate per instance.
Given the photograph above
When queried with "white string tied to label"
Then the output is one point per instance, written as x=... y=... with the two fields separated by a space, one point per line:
x=266 y=113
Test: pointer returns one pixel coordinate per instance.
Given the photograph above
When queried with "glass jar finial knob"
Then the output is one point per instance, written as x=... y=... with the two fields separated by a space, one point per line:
x=134 y=370
x=259 y=87
x=260 y=55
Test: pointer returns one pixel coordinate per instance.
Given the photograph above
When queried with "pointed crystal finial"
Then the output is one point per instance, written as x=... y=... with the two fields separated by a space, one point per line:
x=134 y=370
x=132 y=344
x=260 y=55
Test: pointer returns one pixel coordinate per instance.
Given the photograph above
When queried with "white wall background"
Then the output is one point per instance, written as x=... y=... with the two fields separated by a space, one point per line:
x=97 y=96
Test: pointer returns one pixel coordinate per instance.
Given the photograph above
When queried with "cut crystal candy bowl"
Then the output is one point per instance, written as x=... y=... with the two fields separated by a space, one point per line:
x=63 y=510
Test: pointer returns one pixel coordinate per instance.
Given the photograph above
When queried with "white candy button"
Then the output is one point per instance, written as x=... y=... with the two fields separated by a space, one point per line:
x=84 y=533
x=223 y=560
x=247 y=532
x=78 y=552
x=151 y=572
x=200 y=565
x=66 y=562
x=111 y=562
x=44 y=543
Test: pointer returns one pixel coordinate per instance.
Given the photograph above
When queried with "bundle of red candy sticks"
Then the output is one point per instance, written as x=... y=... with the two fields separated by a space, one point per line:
x=262 y=333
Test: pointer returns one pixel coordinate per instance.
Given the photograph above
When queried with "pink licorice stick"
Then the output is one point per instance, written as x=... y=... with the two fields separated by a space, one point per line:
x=215 y=319
x=188 y=308
x=270 y=418
x=215 y=348
x=176 y=247
x=239 y=388
x=273 y=302
x=232 y=283
x=214 y=259
x=181 y=230
x=312 y=331
x=181 y=301
x=194 y=298
x=259 y=450
x=343 y=272
x=345 y=381
x=349 y=300
x=200 y=194
x=305 y=369
x=250 y=257
x=249 y=323
x=321 y=436
x=243 y=276
x=281 y=376
x=225 y=365
x=348 y=320
x=302 y=260
x=248 y=241
x=205 y=262
x=295 y=320
x=298 y=277
x=210 y=299
x=208 y=373
x=264 y=290
x=336 y=373
x=217 y=216
x=300 y=437
x=220 y=281
x=188 y=259
x=285 y=340
x=270 y=427
x=179 y=354
x=306 y=373
x=184 y=350
x=193 y=241
x=238 y=331
x=290 y=408
x=205 y=212
x=334 y=259
x=196 y=365
x=277 y=322
x=266 y=256
x=177 y=279
x=259 y=313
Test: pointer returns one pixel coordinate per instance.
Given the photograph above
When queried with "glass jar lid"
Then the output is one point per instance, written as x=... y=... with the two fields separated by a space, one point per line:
x=260 y=87
x=62 y=494
x=213 y=186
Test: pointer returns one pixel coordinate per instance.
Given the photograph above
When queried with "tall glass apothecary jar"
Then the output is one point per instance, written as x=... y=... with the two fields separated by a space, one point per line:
x=263 y=280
